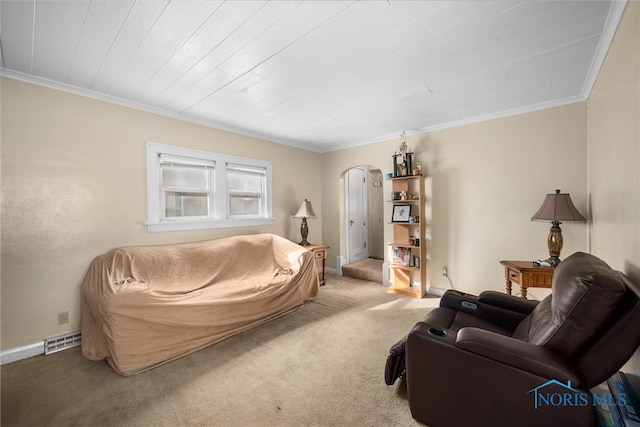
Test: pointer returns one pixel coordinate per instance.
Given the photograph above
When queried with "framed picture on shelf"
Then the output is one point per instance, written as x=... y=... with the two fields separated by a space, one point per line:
x=401 y=213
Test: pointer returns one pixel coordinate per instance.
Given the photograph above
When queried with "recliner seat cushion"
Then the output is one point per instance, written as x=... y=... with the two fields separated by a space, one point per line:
x=586 y=293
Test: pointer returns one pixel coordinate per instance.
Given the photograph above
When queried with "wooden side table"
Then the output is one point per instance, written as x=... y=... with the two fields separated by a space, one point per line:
x=526 y=275
x=320 y=253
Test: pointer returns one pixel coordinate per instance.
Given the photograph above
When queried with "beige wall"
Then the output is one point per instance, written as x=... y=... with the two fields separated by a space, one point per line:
x=614 y=154
x=74 y=186
x=488 y=179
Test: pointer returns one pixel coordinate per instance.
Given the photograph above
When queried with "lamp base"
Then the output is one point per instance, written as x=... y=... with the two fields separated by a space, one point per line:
x=553 y=261
x=304 y=231
x=554 y=242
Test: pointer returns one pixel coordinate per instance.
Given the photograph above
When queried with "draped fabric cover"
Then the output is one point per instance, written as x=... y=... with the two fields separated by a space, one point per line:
x=146 y=305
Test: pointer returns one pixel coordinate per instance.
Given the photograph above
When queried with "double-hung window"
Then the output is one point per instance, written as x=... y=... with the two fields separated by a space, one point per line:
x=192 y=189
x=186 y=187
x=246 y=190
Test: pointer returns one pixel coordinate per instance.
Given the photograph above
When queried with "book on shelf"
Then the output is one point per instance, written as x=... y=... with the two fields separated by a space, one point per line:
x=402 y=256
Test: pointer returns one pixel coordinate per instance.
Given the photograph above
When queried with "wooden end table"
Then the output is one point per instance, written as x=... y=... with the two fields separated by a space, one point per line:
x=320 y=253
x=526 y=275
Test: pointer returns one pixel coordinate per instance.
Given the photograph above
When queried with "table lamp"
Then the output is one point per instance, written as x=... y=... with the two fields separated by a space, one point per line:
x=557 y=208
x=305 y=211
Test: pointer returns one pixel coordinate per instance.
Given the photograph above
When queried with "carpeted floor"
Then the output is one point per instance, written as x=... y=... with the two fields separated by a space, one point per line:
x=366 y=269
x=321 y=365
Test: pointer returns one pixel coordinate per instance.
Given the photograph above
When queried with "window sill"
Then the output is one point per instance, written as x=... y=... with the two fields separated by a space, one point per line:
x=199 y=225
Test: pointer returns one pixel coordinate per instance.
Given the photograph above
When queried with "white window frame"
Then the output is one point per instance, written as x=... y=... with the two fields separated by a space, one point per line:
x=230 y=193
x=218 y=216
x=207 y=166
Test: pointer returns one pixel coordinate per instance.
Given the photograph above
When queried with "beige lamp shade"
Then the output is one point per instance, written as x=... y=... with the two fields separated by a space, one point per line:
x=305 y=210
x=558 y=207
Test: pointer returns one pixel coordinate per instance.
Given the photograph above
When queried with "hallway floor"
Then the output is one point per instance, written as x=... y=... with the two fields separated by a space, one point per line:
x=365 y=269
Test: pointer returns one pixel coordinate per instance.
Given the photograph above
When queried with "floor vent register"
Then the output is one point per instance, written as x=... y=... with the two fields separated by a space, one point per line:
x=62 y=342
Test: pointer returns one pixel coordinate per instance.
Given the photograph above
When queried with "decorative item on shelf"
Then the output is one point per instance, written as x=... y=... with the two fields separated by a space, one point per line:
x=557 y=208
x=401 y=213
x=401 y=256
x=403 y=195
x=416 y=261
x=389 y=175
x=412 y=219
x=403 y=161
x=417 y=171
x=305 y=211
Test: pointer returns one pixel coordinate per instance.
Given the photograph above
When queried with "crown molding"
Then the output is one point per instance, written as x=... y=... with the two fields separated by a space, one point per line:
x=610 y=27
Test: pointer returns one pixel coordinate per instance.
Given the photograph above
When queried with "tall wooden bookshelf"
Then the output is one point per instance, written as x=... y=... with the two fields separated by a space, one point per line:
x=408 y=263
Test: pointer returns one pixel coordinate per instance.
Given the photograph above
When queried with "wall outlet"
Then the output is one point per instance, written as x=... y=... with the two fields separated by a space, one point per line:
x=445 y=273
x=63 y=318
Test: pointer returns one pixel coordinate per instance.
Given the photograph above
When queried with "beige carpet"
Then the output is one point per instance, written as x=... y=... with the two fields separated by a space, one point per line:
x=321 y=365
x=365 y=269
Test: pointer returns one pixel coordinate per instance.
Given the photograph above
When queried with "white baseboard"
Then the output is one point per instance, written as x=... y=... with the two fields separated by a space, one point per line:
x=385 y=274
x=19 y=353
x=340 y=261
x=435 y=291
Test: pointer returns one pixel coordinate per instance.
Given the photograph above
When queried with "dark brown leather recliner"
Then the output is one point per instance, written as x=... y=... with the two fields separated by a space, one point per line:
x=500 y=360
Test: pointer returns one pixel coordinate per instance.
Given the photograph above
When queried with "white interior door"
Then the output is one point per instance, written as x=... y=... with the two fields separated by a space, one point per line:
x=356 y=214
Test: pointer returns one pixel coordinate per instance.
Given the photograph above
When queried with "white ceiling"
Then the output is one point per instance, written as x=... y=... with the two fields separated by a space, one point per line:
x=320 y=75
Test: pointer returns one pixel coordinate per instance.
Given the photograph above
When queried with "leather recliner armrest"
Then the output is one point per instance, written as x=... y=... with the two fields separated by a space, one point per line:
x=500 y=314
x=452 y=298
x=508 y=302
x=515 y=353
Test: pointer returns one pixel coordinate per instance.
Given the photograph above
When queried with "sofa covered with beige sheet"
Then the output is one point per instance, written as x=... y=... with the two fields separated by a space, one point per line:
x=146 y=305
